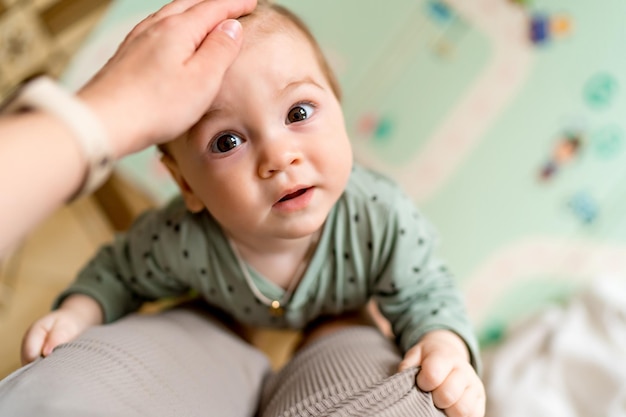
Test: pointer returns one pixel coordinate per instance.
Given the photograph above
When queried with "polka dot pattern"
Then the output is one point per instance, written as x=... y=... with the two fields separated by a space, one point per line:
x=375 y=244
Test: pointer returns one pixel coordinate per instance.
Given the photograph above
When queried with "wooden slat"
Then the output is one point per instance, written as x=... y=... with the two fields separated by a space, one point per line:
x=64 y=13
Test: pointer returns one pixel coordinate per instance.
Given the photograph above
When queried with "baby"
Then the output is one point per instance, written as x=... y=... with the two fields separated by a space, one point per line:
x=277 y=226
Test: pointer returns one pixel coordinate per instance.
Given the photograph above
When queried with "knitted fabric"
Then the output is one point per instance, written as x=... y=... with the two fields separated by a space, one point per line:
x=347 y=373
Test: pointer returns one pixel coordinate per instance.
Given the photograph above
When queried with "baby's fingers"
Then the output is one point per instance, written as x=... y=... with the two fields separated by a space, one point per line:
x=451 y=390
x=33 y=342
x=46 y=334
x=435 y=370
x=471 y=403
x=412 y=358
x=57 y=336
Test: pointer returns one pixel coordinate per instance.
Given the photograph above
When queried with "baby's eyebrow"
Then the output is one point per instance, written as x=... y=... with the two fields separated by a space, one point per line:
x=212 y=113
x=297 y=83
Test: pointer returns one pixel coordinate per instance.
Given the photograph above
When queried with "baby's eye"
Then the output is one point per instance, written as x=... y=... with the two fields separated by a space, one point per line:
x=225 y=143
x=300 y=112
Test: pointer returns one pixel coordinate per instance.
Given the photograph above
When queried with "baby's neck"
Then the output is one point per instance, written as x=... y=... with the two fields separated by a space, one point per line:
x=281 y=263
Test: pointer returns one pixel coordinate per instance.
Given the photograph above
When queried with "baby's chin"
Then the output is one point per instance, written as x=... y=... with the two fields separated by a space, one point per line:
x=301 y=231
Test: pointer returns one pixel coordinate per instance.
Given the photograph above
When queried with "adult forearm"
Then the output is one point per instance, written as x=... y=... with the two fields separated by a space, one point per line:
x=40 y=168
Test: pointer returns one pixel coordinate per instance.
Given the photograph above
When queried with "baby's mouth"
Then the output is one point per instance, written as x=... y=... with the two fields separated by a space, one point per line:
x=293 y=195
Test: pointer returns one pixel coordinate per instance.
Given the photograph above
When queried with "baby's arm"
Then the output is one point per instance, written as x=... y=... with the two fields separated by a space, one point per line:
x=446 y=372
x=418 y=295
x=76 y=314
x=142 y=264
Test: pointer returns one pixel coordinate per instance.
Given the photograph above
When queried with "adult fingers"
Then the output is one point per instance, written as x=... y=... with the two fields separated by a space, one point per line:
x=171 y=8
x=167 y=56
x=202 y=15
x=201 y=76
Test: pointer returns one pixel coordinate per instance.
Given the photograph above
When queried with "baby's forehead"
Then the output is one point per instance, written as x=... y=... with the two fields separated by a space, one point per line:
x=265 y=21
x=263 y=15
x=271 y=20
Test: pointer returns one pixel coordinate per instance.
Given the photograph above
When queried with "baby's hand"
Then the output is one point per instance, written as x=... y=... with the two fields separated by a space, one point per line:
x=76 y=314
x=447 y=373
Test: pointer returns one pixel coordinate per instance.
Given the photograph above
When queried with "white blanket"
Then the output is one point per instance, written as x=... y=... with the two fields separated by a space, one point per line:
x=568 y=361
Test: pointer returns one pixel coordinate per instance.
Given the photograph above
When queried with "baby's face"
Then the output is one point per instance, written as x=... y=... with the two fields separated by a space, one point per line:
x=271 y=156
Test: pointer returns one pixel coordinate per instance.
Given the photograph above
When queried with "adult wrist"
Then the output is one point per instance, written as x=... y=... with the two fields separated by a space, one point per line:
x=109 y=110
x=43 y=94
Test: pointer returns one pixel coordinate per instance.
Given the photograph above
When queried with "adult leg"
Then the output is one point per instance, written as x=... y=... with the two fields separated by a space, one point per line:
x=345 y=368
x=176 y=363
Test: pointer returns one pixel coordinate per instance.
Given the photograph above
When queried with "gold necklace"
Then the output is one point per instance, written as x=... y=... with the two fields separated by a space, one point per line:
x=276 y=307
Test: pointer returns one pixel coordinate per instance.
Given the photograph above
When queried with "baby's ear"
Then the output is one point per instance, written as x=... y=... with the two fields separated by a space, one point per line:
x=193 y=203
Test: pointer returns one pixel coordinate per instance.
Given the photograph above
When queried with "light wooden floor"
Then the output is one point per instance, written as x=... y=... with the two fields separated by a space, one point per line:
x=49 y=259
x=41 y=267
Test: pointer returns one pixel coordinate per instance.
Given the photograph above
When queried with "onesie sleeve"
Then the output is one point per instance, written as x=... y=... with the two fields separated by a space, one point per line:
x=414 y=289
x=140 y=265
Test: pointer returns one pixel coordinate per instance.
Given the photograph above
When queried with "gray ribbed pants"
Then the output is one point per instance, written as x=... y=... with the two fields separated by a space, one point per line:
x=180 y=363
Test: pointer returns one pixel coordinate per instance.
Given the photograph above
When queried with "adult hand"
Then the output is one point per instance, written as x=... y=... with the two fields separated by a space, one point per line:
x=167 y=71
x=447 y=374
x=158 y=84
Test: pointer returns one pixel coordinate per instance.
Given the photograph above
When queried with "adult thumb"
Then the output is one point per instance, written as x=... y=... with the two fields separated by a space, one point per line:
x=220 y=48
